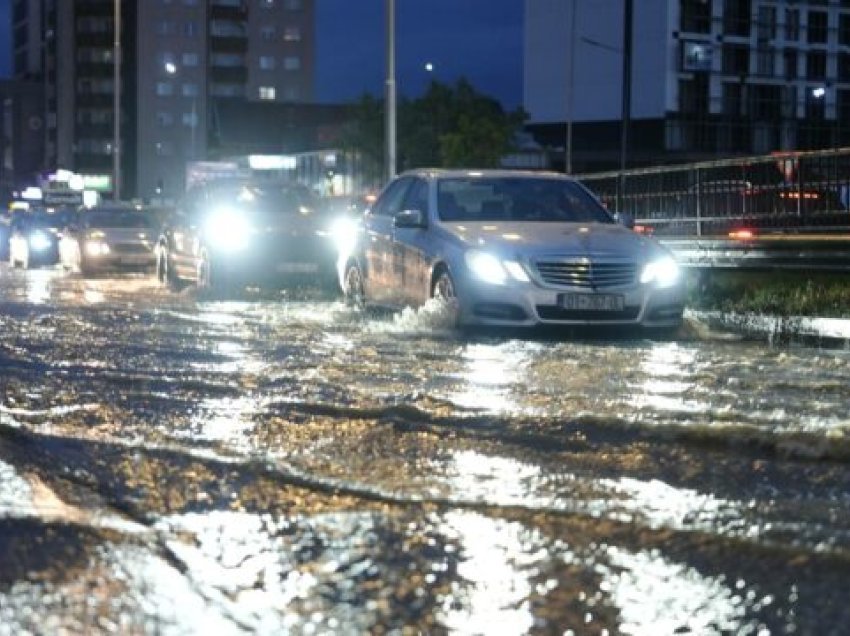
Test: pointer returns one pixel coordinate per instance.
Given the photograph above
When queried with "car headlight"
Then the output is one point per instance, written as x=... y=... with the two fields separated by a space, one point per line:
x=97 y=248
x=228 y=229
x=343 y=233
x=39 y=241
x=664 y=272
x=490 y=269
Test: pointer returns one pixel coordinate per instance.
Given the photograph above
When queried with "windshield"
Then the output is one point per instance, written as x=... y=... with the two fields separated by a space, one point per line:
x=517 y=199
x=116 y=219
x=268 y=198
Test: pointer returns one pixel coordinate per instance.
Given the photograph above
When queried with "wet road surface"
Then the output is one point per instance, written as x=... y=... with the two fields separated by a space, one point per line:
x=173 y=464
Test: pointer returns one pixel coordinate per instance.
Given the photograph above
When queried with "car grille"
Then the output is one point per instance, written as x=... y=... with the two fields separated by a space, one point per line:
x=552 y=312
x=587 y=273
x=129 y=248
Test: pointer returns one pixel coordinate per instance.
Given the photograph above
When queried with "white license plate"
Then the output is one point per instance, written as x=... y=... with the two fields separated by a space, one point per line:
x=297 y=268
x=592 y=302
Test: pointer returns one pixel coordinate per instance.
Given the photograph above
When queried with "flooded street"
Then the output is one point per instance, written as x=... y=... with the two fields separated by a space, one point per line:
x=172 y=464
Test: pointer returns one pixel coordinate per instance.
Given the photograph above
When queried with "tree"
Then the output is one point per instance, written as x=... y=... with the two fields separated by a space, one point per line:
x=449 y=126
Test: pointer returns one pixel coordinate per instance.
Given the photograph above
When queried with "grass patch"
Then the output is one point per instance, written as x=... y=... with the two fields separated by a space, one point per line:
x=776 y=293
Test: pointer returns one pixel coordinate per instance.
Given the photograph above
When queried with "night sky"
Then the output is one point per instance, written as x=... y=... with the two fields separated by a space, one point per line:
x=477 y=39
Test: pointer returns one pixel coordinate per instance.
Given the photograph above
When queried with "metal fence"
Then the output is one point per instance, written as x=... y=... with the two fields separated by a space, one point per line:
x=782 y=192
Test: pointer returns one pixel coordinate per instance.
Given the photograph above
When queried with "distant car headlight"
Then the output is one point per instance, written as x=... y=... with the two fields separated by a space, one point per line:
x=97 y=248
x=343 y=233
x=228 y=229
x=664 y=272
x=488 y=268
x=39 y=241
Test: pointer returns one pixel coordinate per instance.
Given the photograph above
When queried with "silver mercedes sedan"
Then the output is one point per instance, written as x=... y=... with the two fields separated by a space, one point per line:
x=509 y=248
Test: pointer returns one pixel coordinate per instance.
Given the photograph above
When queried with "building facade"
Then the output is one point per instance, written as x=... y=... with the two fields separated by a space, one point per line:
x=177 y=60
x=709 y=78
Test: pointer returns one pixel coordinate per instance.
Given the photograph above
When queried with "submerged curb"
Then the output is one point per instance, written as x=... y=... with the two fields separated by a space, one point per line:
x=824 y=332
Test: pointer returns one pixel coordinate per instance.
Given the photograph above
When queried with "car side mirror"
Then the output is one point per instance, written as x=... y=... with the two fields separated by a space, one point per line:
x=410 y=219
x=625 y=219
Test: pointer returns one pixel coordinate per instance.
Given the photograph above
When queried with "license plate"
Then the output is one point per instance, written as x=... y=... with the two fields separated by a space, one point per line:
x=592 y=302
x=297 y=268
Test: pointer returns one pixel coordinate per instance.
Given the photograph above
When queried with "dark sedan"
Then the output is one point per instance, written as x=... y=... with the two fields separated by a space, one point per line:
x=231 y=233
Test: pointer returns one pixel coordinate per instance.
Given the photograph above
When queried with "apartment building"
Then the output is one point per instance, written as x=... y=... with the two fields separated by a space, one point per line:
x=709 y=78
x=178 y=59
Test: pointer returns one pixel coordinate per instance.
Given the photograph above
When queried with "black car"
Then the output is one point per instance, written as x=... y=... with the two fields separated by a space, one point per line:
x=228 y=233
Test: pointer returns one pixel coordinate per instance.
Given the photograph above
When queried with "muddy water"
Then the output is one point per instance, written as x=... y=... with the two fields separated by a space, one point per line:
x=276 y=462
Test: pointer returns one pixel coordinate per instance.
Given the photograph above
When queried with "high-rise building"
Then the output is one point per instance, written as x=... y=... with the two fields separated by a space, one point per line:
x=178 y=60
x=709 y=78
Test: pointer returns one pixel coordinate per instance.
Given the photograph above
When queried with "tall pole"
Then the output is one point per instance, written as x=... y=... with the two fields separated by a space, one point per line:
x=570 y=88
x=627 y=95
x=390 y=114
x=116 y=105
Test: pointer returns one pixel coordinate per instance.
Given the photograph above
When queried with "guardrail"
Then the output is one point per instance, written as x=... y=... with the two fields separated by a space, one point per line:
x=788 y=192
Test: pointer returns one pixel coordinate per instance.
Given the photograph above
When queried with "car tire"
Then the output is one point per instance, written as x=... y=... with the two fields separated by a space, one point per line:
x=164 y=272
x=209 y=279
x=445 y=291
x=353 y=290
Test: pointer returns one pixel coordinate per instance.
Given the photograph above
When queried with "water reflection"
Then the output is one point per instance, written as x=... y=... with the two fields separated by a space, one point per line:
x=489 y=376
x=667 y=380
x=38 y=287
x=496 y=567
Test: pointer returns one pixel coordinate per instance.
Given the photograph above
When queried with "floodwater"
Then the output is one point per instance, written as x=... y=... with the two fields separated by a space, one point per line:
x=277 y=463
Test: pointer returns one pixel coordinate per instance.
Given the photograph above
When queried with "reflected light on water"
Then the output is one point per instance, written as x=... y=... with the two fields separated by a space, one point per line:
x=656 y=596
x=227 y=420
x=491 y=372
x=666 y=370
x=496 y=480
x=496 y=568
x=38 y=287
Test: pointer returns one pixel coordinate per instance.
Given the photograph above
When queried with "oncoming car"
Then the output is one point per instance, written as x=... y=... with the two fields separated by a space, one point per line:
x=33 y=239
x=509 y=248
x=108 y=238
x=233 y=232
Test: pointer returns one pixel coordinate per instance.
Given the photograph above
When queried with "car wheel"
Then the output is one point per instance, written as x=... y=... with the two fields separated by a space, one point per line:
x=354 y=291
x=444 y=291
x=164 y=272
x=444 y=288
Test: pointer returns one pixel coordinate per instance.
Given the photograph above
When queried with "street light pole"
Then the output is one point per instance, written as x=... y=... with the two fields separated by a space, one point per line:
x=568 y=163
x=627 y=96
x=116 y=104
x=390 y=107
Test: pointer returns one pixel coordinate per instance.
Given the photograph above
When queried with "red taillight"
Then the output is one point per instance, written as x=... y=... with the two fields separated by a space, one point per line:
x=643 y=229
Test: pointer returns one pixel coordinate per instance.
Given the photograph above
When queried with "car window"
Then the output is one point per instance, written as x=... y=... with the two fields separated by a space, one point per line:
x=116 y=219
x=389 y=203
x=517 y=199
x=417 y=196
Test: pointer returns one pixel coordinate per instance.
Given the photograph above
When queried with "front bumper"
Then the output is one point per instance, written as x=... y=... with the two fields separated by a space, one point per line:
x=529 y=304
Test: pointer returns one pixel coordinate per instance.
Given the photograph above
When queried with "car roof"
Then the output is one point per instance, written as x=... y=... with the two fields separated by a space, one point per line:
x=458 y=173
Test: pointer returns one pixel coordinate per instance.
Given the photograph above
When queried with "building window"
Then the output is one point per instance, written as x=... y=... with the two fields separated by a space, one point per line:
x=292 y=34
x=190 y=59
x=816 y=65
x=695 y=16
x=736 y=59
x=292 y=63
x=292 y=5
x=190 y=120
x=267 y=92
x=227 y=60
x=844 y=29
x=166 y=27
x=732 y=101
x=165 y=119
x=792 y=24
x=844 y=67
x=267 y=4
x=190 y=29
x=817 y=29
x=267 y=62
x=190 y=89
x=164 y=148
x=767 y=22
x=291 y=94
x=736 y=17
x=790 y=58
x=765 y=63
x=268 y=33
x=693 y=95
x=164 y=89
